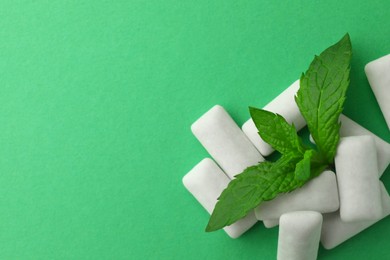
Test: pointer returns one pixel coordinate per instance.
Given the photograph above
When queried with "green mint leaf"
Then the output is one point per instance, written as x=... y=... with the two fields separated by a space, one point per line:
x=302 y=169
x=256 y=184
x=275 y=130
x=321 y=95
x=317 y=164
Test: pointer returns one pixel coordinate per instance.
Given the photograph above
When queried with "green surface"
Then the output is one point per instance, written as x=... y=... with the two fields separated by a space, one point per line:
x=96 y=102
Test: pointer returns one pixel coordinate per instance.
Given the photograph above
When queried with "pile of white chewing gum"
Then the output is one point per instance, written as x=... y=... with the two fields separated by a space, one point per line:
x=330 y=208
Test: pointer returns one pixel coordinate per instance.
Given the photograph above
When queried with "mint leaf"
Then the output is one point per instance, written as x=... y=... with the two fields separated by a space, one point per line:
x=321 y=95
x=256 y=184
x=275 y=130
x=302 y=169
x=317 y=164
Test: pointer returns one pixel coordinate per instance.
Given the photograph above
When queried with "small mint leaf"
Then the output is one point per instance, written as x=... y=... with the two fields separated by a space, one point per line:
x=302 y=169
x=277 y=132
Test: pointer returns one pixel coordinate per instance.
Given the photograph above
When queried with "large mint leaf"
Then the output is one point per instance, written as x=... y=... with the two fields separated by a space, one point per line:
x=256 y=184
x=322 y=92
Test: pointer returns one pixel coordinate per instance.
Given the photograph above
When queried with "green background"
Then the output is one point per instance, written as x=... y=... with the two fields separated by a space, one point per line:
x=96 y=103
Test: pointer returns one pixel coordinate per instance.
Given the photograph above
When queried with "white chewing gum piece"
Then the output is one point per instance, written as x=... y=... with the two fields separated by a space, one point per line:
x=357 y=179
x=378 y=75
x=270 y=223
x=319 y=194
x=285 y=105
x=335 y=231
x=205 y=182
x=225 y=142
x=351 y=128
x=299 y=235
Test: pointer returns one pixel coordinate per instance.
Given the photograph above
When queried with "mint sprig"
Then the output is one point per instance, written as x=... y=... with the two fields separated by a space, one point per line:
x=320 y=99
